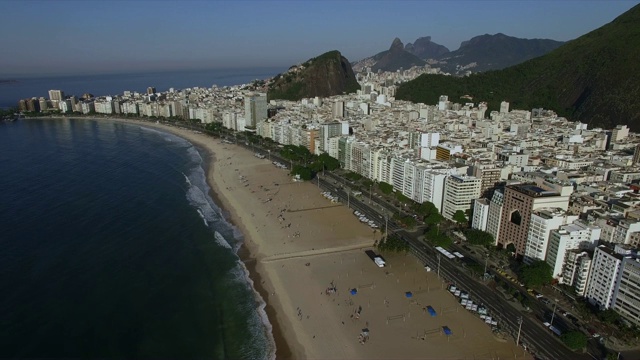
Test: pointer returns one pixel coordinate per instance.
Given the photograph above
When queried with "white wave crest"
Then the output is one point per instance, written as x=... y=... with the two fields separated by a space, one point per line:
x=221 y=240
x=202 y=216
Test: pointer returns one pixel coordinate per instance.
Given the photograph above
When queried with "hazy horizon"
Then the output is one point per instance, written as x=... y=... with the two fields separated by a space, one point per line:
x=54 y=38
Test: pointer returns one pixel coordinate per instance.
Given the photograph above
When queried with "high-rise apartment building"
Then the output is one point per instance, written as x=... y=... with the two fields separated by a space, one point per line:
x=577 y=266
x=504 y=107
x=575 y=236
x=480 y=214
x=636 y=155
x=605 y=268
x=519 y=203
x=459 y=193
x=338 y=109
x=330 y=130
x=495 y=213
x=542 y=222
x=56 y=95
x=255 y=109
x=488 y=172
x=627 y=292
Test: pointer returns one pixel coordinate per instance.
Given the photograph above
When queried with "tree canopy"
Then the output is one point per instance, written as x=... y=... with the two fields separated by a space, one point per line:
x=536 y=274
x=393 y=243
x=609 y=316
x=304 y=172
x=479 y=237
x=574 y=340
x=459 y=217
x=329 y=163
x=385 y=187
x=353 y=176
x=437 y=238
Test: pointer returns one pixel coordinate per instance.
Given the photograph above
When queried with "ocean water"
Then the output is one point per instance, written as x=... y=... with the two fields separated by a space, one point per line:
x=110 y=246
x=114 y=84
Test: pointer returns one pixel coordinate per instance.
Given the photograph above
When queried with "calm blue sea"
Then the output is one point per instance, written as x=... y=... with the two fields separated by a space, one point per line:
x=110 y=246
x=114 y=84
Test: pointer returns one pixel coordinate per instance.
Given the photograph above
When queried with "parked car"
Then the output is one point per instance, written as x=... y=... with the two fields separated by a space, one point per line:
x=545 y=301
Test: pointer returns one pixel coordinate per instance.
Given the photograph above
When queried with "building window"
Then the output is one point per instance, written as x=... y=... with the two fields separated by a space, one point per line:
x=516 y=218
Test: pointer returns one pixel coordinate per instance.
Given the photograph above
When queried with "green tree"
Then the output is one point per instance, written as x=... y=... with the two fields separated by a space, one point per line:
x=460 y=218
x=425 y=209
x=385 y=187
x=437 y=238
x=428 y=212
x=406 y=221
x=403 y=199
x=536 y=274
x=609 y=316
x=304 y=172
x=479 y=237
x=329 y=163
x=394 y=244
x=353 y=176
x=574 y=340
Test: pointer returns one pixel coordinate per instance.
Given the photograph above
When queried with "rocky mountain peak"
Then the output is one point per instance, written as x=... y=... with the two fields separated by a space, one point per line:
x=396 y=45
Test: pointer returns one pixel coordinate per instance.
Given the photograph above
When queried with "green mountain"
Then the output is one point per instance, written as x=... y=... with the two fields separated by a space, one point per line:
x=326 y=75
x=395 y=58
x=494 y=52
x=594 y=79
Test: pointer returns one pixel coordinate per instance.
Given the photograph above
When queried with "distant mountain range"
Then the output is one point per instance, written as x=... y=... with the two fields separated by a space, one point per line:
x=493 y=52
x=481 y=53
x=326 y=75
x=395 y=58
x=390 y=60
x=594 y=79
x=424 y=48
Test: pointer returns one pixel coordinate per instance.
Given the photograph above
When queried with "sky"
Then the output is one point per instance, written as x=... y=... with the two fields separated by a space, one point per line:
x=56 y=37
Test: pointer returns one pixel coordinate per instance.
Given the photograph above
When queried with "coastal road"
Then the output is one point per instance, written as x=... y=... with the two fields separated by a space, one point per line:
x=537 y=338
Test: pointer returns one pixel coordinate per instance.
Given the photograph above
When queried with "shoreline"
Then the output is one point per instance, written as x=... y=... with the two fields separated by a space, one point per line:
x=298 y=246
x=282 y=350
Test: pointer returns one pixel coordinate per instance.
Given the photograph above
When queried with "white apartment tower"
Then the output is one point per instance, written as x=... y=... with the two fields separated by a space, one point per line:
x=459 y=193
x=575 y=236
x=504 y=107
x=627 y=293
x=338 y=109
x=433 y=187
x=542 y=222
x=495 y=213
x=56 y=95
x=480 y=214
x=577 y=266
x=605 y=269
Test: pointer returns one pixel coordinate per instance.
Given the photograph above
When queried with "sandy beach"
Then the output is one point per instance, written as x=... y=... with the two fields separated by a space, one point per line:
x=299 y=244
